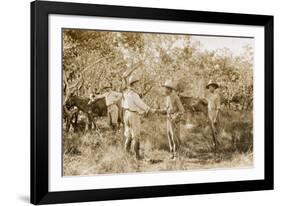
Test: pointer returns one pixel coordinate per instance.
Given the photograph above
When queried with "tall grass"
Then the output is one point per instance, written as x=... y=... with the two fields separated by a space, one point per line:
x=102 y=152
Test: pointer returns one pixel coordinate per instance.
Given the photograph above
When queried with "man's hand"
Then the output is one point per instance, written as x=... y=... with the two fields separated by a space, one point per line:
x=215 y=121
x=161 y=111
x=176 y=118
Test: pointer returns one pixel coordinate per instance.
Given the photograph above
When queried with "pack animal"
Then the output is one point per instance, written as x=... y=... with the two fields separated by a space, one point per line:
x=97 y=108
x=194 y=105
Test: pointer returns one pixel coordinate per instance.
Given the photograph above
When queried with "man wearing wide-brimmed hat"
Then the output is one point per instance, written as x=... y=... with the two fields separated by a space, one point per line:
x=133 y=106
x=111 y=100
x=174 y=111
x=214 y=104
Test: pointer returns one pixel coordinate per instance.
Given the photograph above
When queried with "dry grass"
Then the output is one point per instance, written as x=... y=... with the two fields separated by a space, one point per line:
x=101 y=151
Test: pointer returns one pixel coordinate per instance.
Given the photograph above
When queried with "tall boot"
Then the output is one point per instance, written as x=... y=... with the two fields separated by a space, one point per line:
x=128 y=145
x=137 y=149
x=171 y=156
x=114 y=127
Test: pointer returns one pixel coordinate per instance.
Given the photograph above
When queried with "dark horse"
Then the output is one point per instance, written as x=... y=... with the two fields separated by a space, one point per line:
x=194 y=105
x=92 y=110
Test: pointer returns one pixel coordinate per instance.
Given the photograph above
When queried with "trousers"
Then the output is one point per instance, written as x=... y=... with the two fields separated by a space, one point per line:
x=173 y=133
x=112 y=114
x=132 y=131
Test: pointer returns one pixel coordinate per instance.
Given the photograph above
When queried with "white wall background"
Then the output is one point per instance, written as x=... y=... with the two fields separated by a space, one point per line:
x=14 y=103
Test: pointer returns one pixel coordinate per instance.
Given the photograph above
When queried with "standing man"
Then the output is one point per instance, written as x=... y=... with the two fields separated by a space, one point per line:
x=133 y=106
x=111 y=100
x=174 y=111
x=214 y=104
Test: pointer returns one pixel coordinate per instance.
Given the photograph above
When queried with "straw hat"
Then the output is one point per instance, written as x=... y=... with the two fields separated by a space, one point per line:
x=213 y=84
x=133 y=79
x=169 y=84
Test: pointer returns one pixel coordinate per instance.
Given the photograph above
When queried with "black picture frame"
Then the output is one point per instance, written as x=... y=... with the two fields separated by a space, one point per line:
x=39 y=102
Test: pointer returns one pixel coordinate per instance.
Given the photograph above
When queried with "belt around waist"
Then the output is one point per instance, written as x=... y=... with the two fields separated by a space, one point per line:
x=129 y=110
x=172 y=113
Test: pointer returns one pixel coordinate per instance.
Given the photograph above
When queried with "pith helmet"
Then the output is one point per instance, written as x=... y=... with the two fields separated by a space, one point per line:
x=133 y=79
x=169 y=84
x=213 y=84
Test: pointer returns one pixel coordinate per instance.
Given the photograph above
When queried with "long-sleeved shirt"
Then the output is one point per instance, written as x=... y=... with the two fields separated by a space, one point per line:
x=213 y=102
x=174 y=107
x=133 y=102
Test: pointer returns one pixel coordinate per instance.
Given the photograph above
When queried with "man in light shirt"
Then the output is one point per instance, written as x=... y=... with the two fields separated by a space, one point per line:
x=111 y=100
x=133 y=106
x=174 y=111
x=214 y=104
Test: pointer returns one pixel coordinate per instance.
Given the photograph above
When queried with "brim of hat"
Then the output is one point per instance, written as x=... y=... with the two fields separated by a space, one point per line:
x=163 y=85
x=106 y=87
x=214 y=84
x=134 y=82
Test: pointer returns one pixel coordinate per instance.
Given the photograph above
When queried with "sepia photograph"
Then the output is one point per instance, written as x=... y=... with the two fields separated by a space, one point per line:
x=153 y=102
x=131 y=102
